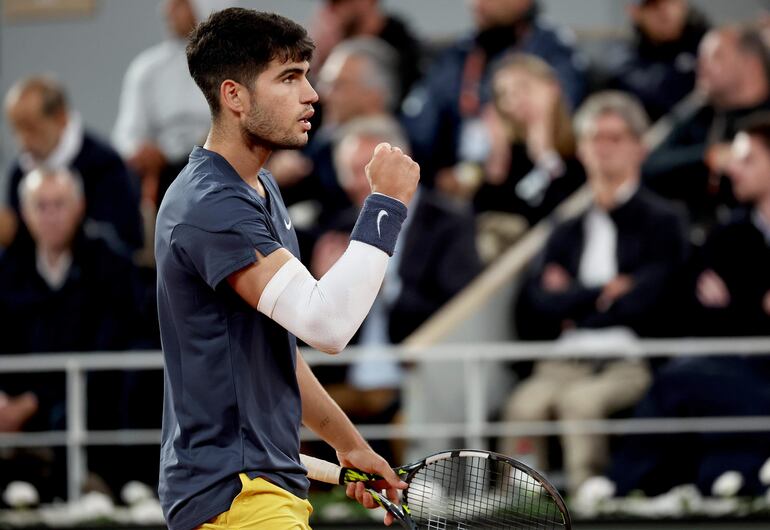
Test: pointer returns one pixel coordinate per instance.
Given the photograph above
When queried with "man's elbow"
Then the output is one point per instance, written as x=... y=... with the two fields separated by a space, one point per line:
x=330 y=345
x=331 y=336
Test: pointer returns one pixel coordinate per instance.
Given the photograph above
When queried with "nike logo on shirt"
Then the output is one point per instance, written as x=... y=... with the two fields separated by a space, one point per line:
x=287 y=224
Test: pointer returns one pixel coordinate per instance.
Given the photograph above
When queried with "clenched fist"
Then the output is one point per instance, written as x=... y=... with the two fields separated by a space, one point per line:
x=393 y=173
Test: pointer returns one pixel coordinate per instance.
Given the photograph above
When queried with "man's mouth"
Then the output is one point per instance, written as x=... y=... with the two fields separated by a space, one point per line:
x=305 y=120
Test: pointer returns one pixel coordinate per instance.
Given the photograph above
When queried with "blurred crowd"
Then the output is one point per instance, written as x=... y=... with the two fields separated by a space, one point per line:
x=669 y=129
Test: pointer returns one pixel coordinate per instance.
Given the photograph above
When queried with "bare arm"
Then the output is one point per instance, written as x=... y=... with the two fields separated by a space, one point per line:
x=322 y=415
x=325 y=418
x=251 y=281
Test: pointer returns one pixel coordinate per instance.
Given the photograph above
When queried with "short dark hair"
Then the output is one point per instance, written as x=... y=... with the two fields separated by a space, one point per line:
x=238 y=44
x=758 y=126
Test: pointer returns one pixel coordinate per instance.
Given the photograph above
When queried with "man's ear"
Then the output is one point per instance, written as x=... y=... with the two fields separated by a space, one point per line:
x=233 y=96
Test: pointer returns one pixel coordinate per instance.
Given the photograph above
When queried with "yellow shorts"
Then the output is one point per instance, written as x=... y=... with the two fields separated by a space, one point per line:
x=263 y=505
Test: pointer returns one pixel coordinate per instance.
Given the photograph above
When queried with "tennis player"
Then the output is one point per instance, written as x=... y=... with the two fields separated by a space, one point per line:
x=232 y=295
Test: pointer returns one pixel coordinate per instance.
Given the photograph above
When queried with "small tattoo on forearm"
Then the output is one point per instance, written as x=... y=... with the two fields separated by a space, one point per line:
x=325 y=422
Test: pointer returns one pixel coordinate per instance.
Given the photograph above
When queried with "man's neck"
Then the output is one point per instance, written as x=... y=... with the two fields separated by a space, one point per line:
x=611 y=193
x=53 y=265
x=247 y=160
x=52 y=256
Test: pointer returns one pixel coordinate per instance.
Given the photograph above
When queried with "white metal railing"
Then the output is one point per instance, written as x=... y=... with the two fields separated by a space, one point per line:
x=474 y=429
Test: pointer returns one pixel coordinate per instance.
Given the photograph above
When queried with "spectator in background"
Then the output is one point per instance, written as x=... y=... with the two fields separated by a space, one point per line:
x=162 y=114
x=733 y=75
x=9 y=224
x=609 y=267
x=340 y=20
x=532 y=166
x=68 y=292
x=434 y=259
x=658 y=67
x=732 y=295
x=444 y=112
x=358 y=80
x=50 y=136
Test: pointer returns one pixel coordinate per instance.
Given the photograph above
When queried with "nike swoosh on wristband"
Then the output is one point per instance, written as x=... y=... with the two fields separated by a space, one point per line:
x=287 y=224
x=380 y=215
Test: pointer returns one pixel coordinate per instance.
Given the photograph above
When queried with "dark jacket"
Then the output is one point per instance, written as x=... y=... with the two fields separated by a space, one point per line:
x=676 y=168
x=432 y=110
x=95 y=309
x=651 y=247
x=397 y=34
x=739 y=253
x=503 y=198
x=111 y=190
x=660 y=75
x=438 y=260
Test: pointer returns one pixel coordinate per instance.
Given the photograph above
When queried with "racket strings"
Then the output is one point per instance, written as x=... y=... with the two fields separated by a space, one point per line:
x=473 y=492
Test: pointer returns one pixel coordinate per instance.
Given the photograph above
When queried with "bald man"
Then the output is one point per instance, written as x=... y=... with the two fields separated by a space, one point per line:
x=689 y=165
x=50 y=135
x=66 y=292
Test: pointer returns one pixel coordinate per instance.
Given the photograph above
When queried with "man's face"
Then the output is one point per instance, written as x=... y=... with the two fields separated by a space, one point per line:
x=350 y=13
x=609 y=149
x=346 y=93
x=495 y=13
x=35 y=133
x=52 y=210
x=281 y=106
x=749 y=168
x=719 y=62
x=354 y=154
x=180 y=17
x=661 y=20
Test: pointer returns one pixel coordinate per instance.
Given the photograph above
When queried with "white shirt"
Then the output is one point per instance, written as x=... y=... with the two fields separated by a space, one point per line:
x=160 y=103
x=55 y=274
x=599 y=260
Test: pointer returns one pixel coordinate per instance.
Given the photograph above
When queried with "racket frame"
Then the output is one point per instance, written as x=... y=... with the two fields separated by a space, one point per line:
x=402 y=512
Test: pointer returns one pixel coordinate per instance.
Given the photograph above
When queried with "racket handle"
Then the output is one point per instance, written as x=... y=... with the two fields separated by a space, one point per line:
x=321 y=470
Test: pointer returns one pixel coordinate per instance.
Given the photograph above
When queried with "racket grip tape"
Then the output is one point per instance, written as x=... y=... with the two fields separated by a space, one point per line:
x=322 y=471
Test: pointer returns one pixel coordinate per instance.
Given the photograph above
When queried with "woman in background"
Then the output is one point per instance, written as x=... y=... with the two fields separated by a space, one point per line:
x=532 y=165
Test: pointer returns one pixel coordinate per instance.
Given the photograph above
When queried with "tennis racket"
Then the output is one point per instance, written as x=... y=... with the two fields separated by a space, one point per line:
x=463 y=489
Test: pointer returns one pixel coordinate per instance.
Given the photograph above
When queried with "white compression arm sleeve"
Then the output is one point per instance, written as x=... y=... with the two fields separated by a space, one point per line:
x=326 y=313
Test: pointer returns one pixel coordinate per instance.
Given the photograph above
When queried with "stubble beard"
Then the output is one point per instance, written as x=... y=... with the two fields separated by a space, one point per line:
x=261 y=128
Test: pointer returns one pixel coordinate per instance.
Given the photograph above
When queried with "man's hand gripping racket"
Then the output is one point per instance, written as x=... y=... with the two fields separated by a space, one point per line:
x=463 y=489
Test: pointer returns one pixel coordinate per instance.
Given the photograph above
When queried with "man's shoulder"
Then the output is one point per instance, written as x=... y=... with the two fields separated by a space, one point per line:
x=569 y=230
x=152 y=58
x=738 y=221
x=95 y=146
x=201 y=198
x=97 y=243
x=659 y=206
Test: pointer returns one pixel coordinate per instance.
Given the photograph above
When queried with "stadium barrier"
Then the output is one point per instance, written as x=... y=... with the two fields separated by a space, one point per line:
x=474 y=430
